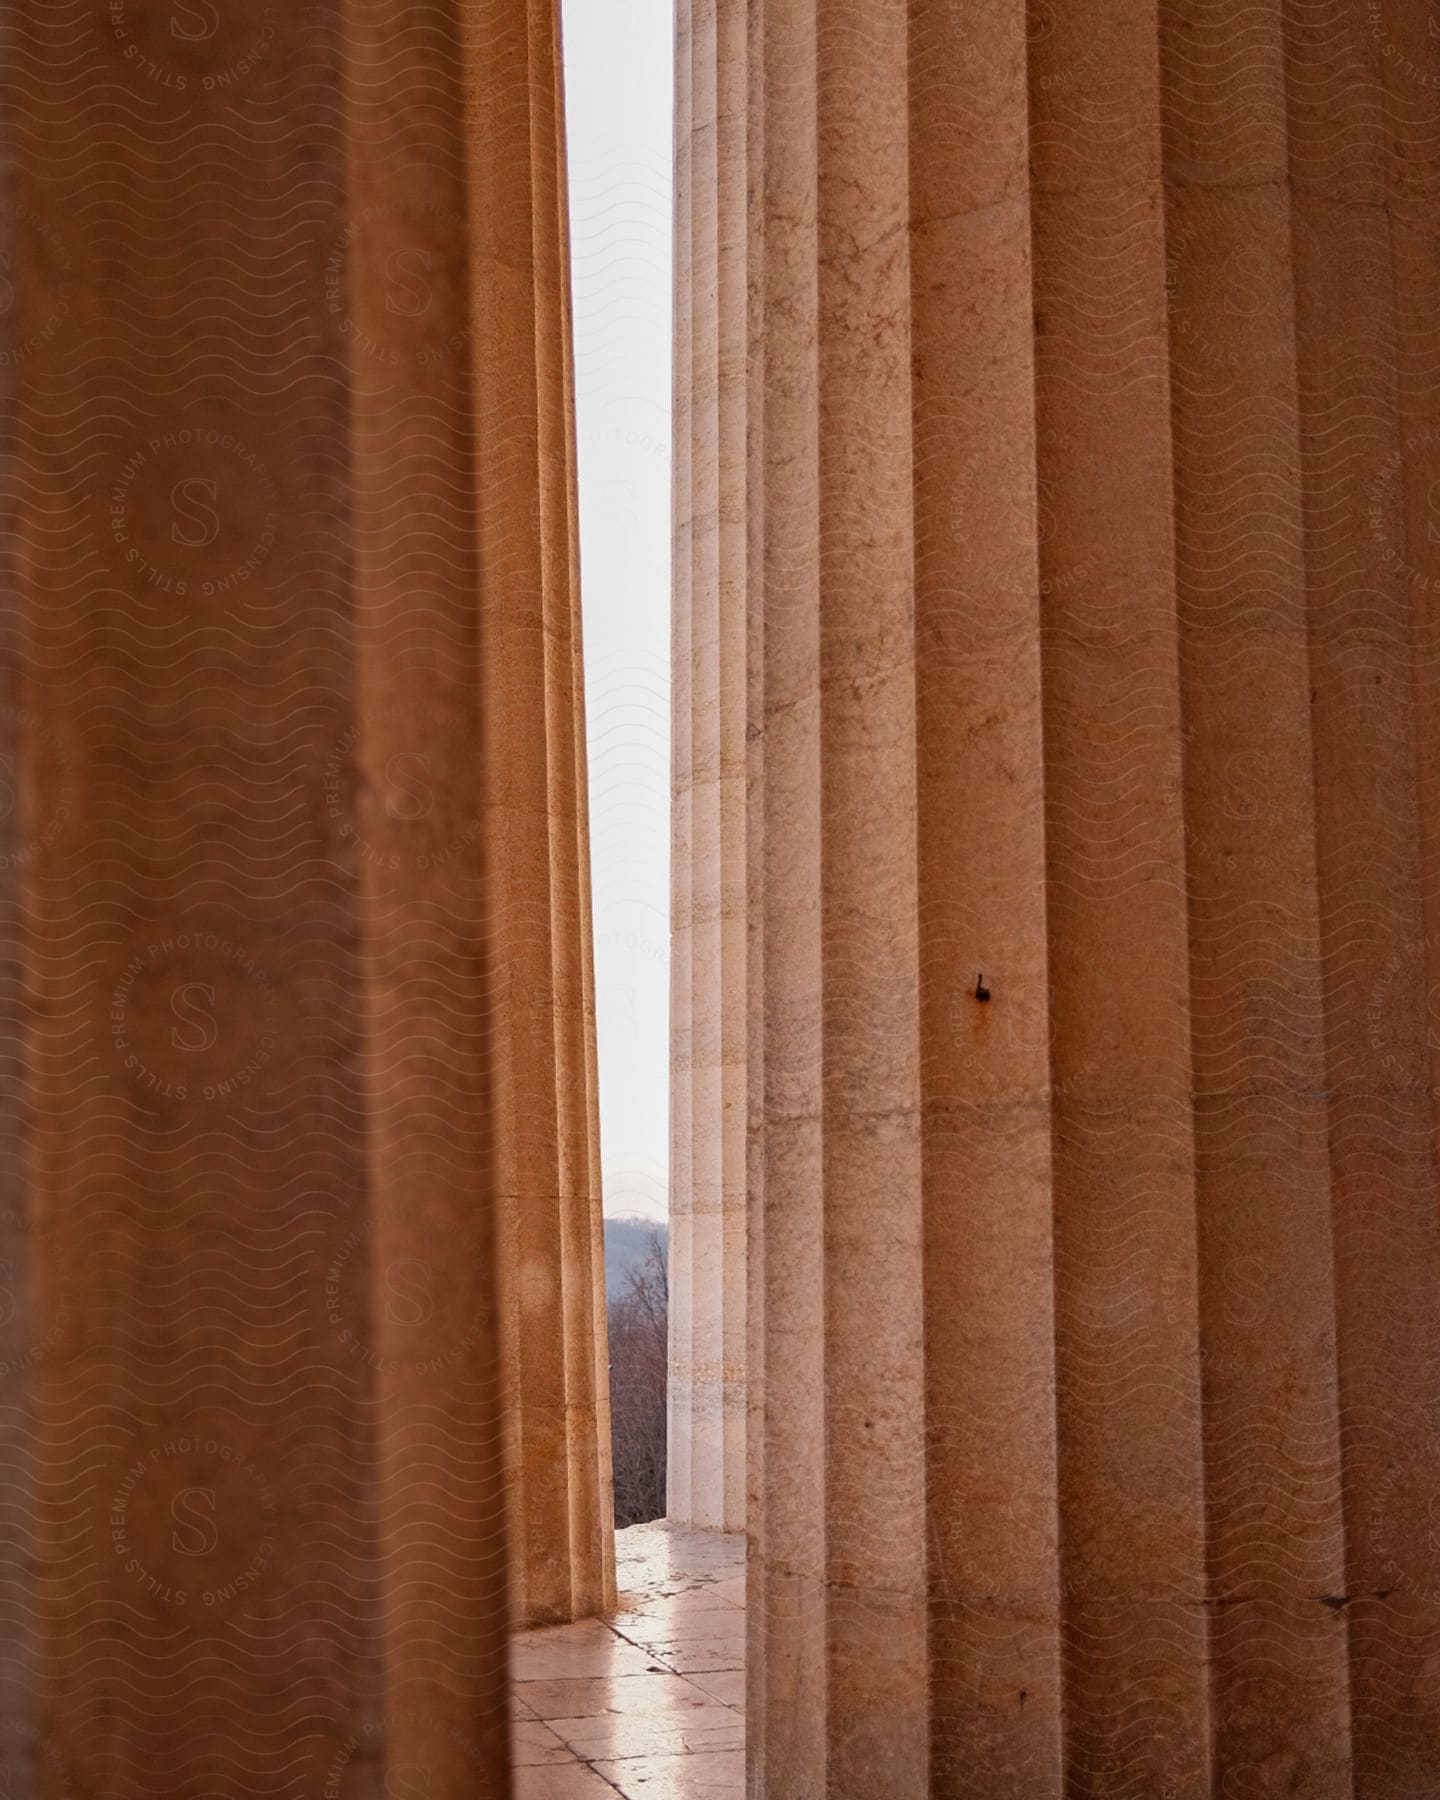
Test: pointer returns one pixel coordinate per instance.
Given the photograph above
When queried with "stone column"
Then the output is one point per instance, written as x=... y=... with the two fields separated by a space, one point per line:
x=706 y=1473
x=1094 y=863
x=536 y=843
x=297 y=865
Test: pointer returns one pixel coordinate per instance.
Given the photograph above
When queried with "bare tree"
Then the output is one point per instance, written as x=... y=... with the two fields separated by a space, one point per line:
x=639 y=1332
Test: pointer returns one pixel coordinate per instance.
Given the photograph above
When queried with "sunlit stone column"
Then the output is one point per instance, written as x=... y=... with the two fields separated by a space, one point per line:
x=301 y=1271
x=706 y=1472
x=1094 y=863
x=473 y=750
x=536 y=846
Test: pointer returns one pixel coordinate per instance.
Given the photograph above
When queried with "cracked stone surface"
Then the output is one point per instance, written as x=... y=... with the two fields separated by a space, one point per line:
x=651 y=1701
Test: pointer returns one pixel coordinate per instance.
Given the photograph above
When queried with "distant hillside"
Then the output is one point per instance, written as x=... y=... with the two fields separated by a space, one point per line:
x=626 y=1242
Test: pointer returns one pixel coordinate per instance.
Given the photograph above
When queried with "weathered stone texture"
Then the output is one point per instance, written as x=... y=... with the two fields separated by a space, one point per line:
x=1093 y=858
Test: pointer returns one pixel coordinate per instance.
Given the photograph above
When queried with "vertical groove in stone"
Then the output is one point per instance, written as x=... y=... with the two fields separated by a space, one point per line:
x=1411 y=103
x=1127 y=1343
x=589 y=1219
x=756 y=1503
x=17 y=1447
x=550 y=1242
x=989 y=1447
x=706 y=1483
x=872 y=1606
x=700 y=1196
x=1394 y=1553
x=1267 y=1301
x=725 y=1497
x=682 y=858
x=786 y=1591
x=1354 y=385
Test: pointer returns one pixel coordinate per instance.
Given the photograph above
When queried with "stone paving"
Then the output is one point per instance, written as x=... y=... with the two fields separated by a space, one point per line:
x=651 y=1703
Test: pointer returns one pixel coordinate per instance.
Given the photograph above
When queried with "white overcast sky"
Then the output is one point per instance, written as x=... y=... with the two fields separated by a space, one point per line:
x=618 y=112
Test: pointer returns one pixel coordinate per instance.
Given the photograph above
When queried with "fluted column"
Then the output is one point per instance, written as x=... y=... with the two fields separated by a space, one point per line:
x=1093 y=866
x=532 y=772
x=706 y=1466
x=304 y=1269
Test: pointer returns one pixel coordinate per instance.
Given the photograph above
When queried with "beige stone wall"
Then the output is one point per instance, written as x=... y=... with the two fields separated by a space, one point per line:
x=297 y=876
x=1092 y=852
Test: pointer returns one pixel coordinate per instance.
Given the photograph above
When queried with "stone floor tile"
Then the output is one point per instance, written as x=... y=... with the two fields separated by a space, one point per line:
x=725 y=1685
x=549 y=1656
x=701 y=1655
x=586 y=1697
x=533 y=1742
x=695 y=1729
x=673 y=1627
x=714 y=1775
x=573 y=1783
x=699 y=1600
